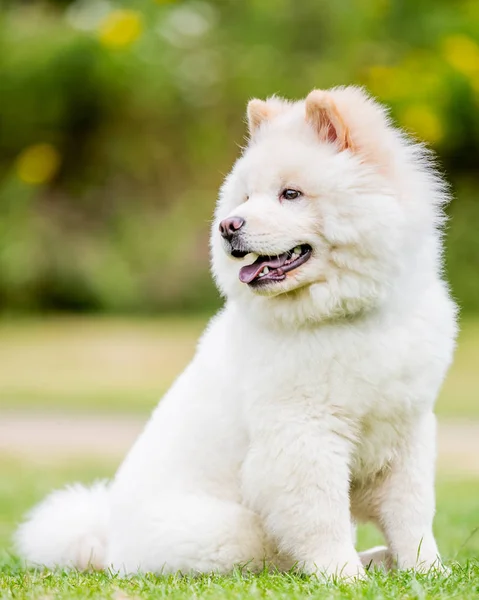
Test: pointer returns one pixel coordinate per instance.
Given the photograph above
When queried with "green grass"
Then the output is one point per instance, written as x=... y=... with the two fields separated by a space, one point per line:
x=23 y=483
x=104 y=365
x=463 y=583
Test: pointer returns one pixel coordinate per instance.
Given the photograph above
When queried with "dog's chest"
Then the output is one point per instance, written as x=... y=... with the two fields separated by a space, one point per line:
x=358 y=376
x=363 y=385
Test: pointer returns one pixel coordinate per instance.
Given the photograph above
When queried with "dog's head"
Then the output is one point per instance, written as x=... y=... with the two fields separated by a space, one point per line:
x=324 y=209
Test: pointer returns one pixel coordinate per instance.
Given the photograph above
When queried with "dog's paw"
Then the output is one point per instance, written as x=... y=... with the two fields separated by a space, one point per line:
x=377 y=557
x=429 y=562
x=434 y=565
x=342 y=568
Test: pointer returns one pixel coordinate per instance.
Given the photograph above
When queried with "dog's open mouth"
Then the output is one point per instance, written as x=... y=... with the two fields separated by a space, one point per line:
x=267 y=269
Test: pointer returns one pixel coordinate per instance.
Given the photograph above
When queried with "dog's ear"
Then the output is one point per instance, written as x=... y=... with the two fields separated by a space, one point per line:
x=323 y=115
x=257 y=112
x=260 y=111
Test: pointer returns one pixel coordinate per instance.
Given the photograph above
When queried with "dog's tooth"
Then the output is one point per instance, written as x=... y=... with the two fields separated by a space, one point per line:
x=265 y=271
x=297 y=250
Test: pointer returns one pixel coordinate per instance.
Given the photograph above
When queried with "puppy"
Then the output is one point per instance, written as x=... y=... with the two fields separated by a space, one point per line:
x=309 y=403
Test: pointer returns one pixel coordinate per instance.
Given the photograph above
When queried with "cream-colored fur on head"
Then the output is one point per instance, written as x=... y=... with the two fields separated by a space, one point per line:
x=309 y=403
x=371 y=201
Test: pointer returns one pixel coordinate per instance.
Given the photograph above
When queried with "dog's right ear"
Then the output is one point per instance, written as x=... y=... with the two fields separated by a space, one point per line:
x=323 y=115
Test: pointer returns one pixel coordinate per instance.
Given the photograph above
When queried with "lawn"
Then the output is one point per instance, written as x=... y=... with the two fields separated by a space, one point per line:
x=14 y=583
x=100 y=365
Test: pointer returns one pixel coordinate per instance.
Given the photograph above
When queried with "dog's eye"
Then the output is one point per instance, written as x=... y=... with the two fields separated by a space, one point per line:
x=290 y=194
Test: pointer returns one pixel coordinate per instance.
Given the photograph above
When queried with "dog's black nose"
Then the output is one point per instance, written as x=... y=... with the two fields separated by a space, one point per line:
x=228 y=227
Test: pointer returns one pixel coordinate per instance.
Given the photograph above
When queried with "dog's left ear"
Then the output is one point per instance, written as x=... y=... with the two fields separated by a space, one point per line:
x=323 y=115
x=256 y=112
x=261 y=111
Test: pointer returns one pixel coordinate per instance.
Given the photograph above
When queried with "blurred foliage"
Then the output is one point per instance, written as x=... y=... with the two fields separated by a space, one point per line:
x=119 y=119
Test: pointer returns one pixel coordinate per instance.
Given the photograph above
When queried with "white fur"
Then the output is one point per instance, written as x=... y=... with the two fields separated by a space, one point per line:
x=69 y=528
x=308 y=406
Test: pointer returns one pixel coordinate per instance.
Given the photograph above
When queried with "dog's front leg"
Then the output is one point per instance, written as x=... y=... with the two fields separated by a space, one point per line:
x=296 y=476
x=406 y=502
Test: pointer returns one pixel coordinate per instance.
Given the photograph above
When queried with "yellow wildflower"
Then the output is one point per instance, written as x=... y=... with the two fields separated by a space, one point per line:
x=389 y=83
x=423 y=121
x=120 y=28
x=38 y=164
x=462 y=53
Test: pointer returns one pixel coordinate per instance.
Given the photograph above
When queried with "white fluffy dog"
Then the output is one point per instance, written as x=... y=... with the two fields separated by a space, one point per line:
x=309 y=403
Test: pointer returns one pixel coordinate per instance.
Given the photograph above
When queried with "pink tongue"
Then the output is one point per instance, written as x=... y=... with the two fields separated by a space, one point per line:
x=250 y=272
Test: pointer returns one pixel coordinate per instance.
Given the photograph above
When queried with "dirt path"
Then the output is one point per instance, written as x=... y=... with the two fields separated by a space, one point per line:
x=58 y=437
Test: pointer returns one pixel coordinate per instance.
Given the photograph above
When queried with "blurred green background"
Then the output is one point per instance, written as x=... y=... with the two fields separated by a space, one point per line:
x=118 y=121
